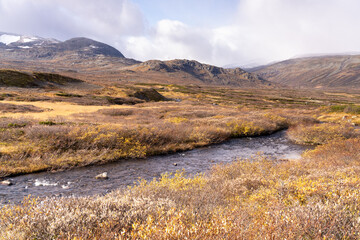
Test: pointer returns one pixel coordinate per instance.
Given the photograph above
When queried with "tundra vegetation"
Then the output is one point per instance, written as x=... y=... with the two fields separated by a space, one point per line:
x=315 y=197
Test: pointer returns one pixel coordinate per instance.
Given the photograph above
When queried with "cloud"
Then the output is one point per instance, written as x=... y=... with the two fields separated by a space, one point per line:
x=255 y=31
x=171 y=39
x=261 y=31
x=109 y=21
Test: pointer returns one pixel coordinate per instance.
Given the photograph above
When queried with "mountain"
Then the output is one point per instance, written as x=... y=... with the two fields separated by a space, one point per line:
x=99 y=63
x=341 y=71
x=77 y=57
x=192 y=72
x=20 y=47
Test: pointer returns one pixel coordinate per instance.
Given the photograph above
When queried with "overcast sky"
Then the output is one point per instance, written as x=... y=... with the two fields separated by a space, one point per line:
x=239 y=32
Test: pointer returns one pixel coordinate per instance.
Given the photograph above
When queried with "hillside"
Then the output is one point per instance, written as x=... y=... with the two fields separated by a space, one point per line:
x=100 y=63
x=11 y=78
x=192 y=72
x=18 y=47
x=315 y=72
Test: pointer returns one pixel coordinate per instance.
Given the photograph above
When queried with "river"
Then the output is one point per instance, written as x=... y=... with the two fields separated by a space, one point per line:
x=82 y=182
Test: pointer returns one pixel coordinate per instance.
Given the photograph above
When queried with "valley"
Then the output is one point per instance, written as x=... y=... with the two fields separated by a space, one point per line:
x=190 y=150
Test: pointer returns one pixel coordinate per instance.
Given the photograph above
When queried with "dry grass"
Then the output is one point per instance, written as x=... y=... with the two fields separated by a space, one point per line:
x=315 y=134
x=60 y=144
x=250 y=199
x=312 y=198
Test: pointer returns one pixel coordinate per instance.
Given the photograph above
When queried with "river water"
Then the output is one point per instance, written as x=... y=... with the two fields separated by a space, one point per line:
x=82 y=182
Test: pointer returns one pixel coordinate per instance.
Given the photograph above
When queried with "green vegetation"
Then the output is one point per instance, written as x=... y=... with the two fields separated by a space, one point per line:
x=352 y=109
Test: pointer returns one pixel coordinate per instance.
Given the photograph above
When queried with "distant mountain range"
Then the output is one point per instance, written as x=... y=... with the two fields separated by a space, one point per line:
x=342 y=71
x=98 y=62
x=190 y=71
x=94 y=61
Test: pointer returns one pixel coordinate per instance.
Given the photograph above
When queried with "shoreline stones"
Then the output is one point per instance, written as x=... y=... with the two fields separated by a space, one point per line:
x=102 y=176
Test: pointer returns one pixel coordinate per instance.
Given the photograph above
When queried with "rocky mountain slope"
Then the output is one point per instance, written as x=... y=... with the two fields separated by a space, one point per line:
x=186 y=71
x=31 y=48
x=97 y=62
x=315 y=72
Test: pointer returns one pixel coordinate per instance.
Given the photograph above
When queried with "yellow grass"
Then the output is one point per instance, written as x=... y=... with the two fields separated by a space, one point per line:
x=56 y=109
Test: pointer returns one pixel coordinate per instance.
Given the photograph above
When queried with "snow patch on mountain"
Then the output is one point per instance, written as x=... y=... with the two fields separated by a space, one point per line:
x=7 y=39
x=28 y=39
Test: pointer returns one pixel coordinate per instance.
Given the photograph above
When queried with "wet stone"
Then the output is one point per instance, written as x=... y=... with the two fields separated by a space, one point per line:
x=6 y=183
x=103 y=175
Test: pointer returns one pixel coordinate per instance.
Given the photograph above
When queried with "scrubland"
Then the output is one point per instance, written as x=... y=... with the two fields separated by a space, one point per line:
x=315 y=197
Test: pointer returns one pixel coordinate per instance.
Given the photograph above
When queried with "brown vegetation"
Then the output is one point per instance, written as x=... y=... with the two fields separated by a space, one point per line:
x=315 y=134
x=135 y=132
x=251 y=199
x=312 y=198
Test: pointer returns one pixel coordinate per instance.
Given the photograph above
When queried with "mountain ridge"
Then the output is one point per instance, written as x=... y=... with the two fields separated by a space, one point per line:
x=203 y=73
x=31 y=47
x=94 y=61
x=328 y=71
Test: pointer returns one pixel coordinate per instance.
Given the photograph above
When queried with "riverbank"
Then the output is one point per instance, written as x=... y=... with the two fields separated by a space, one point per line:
x=121 y=174
x=29 y=146
x=315 y=197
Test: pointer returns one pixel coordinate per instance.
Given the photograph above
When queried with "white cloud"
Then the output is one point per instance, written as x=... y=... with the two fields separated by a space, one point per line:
x=108 y=20
x=171 y=39
x=261 y=30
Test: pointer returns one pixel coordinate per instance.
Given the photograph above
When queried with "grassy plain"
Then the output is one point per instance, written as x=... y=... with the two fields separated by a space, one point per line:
x=311 y=198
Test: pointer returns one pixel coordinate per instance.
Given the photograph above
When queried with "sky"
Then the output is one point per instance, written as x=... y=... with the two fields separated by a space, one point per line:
x=222 y=33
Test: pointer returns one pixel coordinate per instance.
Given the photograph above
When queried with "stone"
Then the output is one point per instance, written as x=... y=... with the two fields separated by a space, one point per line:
x=103 y=175
x=6 y=183
x=175 y=164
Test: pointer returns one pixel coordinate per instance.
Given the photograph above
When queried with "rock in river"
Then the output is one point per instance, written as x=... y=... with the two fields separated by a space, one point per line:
x=6 y=183
x=103 y=175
